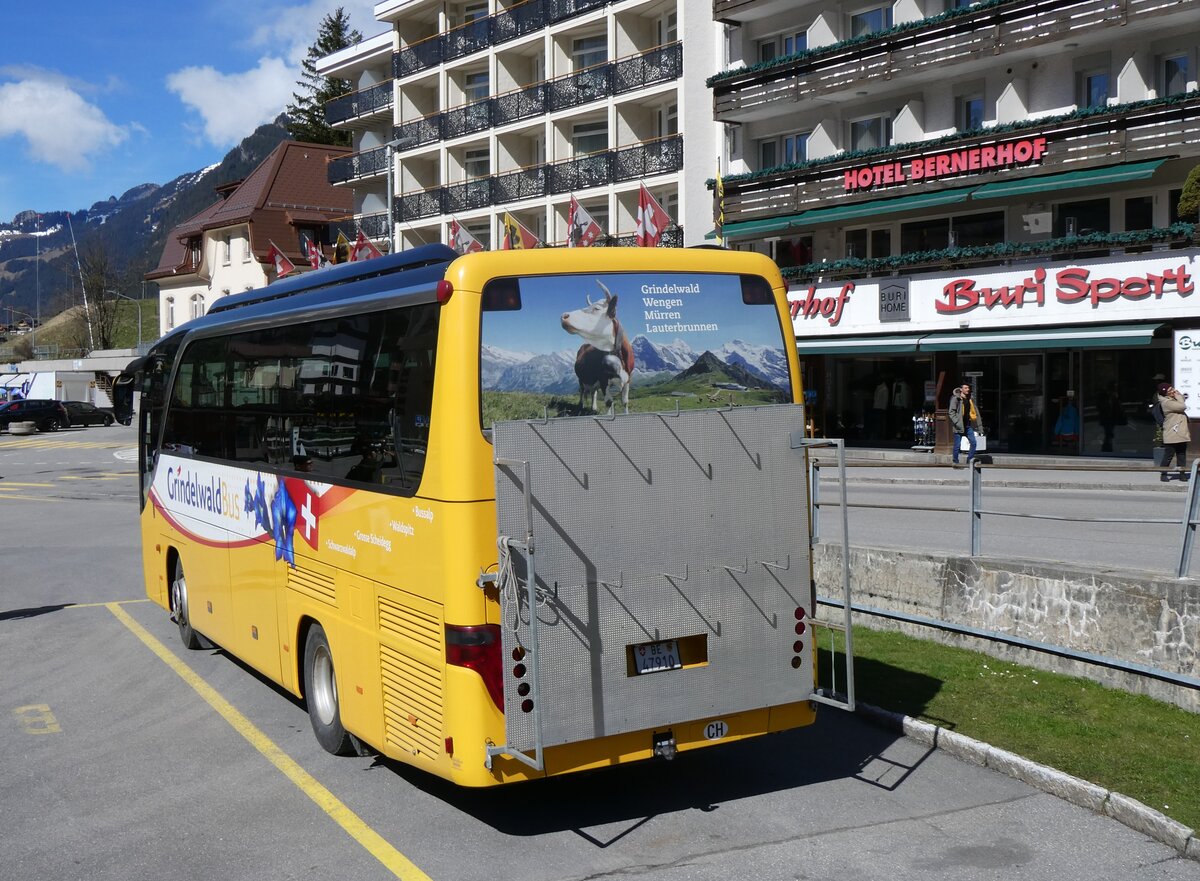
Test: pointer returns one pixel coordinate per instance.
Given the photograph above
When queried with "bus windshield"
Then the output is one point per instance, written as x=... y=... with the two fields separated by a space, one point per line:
x=571 y=345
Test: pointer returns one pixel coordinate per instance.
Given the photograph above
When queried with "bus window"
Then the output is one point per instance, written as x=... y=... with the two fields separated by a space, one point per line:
x=573 y=345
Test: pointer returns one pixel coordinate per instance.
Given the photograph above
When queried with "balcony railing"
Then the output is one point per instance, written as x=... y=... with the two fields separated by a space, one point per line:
x=656 y=66
x=419 y=204
x=374 y=226
x=525 y=183
x=467 y=119
x=578 y=88
x=661 y=64
x=477 y=35
x=467 y=195
x=521 y=104
x=369 y=163
x=660 y=156
x=364 y=102
x=959 y=36
x=1124 y=133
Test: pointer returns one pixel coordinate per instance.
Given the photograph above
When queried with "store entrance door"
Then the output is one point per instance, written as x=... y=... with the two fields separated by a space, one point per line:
x=1009 y=391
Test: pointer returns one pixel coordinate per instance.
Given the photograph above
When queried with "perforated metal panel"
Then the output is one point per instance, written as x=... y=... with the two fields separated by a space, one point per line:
x=652 y=527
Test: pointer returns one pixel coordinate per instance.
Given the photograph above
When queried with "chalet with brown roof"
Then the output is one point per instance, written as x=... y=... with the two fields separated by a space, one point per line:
x=223 y=249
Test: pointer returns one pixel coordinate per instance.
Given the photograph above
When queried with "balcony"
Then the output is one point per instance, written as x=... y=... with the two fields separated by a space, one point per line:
x=739 y=11
x=660 y=156
x=924 y=51
x=369 y=163
x=662 y=64
x=477 y=35
x=1087 y=139
x=364 y=107
x=374 y=226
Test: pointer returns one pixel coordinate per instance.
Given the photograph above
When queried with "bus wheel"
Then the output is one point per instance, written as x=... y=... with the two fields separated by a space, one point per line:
x=320 y=691
x=179 y=609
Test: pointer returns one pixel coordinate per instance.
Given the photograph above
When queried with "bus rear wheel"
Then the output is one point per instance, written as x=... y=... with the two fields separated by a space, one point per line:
x=179 y=609
x=321 y=694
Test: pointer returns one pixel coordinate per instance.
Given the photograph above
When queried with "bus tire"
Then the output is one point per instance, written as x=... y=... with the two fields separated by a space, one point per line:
x=321 y=695
x=179 y=609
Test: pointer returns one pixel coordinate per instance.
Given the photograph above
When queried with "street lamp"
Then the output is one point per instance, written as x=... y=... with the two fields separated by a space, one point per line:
x=392 y=146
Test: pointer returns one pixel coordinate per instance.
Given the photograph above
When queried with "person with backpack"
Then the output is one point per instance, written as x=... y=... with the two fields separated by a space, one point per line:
x=1176 y=435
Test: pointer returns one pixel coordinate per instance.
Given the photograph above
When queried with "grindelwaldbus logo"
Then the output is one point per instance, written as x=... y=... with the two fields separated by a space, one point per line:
x=211 y=495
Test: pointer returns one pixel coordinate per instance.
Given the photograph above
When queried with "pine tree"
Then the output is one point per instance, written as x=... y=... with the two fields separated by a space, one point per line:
x=1189 y=201
x=306 y=117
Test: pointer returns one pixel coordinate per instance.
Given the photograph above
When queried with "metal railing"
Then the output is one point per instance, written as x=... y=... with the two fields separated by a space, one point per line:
x=976 y=510
x=364 y=102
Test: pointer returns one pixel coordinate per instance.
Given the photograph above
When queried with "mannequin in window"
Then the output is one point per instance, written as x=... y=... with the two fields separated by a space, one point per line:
x=1066 y=429
x=877 y=427
x=901 y=406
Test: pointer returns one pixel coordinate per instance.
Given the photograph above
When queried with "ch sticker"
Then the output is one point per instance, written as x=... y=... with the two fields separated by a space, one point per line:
x=37 y=719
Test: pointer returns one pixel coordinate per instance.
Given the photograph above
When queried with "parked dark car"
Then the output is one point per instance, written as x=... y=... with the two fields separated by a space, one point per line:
x=83 y=413
x=46 y=414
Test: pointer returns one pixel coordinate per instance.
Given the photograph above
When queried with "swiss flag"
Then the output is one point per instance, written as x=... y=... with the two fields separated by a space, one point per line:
x=652 y=219
x=363 y=249
x=283 y=266
x=581 y=229
x=308 y=509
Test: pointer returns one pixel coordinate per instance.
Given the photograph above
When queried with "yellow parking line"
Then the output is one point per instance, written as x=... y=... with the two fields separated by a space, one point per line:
x=6 y=484
x=86 y=477
x=7 y=496
x=394 y=861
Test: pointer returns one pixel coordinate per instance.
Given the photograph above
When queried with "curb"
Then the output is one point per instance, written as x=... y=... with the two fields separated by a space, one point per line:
x=1122 y=808
x=1154 y=487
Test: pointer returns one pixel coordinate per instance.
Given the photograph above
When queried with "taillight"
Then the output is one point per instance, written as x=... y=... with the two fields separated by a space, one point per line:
x=443 y=291
x=478 y=648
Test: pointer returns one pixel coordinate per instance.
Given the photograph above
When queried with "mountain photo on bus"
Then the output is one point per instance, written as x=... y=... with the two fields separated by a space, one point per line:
x=646 y=342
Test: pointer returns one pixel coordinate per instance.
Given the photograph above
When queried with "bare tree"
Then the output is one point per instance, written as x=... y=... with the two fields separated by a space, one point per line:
x=102 y=280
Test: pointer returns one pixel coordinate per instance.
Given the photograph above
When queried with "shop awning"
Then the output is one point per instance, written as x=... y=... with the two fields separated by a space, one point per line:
x=858 y=345
x=882 y=206
x=1079 y=337
x=765 y=227
x=1088 y=177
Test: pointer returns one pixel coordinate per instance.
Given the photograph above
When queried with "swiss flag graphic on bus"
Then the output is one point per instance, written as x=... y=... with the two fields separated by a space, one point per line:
x=308 y=509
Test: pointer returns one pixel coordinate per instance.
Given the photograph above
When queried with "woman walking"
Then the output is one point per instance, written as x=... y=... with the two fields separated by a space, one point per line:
x=964 y=419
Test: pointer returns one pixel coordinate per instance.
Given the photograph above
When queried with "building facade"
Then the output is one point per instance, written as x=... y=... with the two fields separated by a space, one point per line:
x=983 y=192
x=489 y=107
x=224 y=249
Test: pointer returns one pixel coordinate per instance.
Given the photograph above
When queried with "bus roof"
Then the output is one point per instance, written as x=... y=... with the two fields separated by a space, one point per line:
x=335 y=278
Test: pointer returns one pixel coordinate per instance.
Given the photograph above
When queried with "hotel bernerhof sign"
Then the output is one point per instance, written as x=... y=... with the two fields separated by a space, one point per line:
x=1157 y=285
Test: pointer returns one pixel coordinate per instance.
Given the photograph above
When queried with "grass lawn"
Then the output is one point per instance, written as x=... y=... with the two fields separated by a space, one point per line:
x=1128 y=743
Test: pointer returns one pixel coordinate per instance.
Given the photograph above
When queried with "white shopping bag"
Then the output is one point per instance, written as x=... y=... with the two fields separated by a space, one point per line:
x=980 y=443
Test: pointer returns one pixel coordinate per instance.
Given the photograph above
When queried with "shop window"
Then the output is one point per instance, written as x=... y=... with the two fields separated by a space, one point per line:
x=870 y=20
x=979 y=230
x=793 y=252
x=870 y=133
x=1092 y=88
x=1173 y=74
x=1081 y=218
x=856 y=243
x=924 y=235
x=1139 y=213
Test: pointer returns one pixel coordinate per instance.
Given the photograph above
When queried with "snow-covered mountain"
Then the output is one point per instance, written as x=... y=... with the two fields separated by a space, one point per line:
x=504 y=370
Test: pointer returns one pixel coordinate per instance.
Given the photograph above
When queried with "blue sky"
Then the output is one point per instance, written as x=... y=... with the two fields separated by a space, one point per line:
x=96 y=98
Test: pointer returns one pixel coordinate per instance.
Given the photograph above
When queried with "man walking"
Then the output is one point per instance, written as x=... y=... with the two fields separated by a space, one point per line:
x=964 y=419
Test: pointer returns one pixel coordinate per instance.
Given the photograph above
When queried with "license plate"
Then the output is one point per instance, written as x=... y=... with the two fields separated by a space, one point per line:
x=653 y=657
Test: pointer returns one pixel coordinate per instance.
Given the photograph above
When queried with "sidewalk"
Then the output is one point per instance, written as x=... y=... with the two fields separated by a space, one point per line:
x=899 y=466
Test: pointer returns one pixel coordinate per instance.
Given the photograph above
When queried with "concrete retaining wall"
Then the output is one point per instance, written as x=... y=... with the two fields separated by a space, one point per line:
x=1132 y=617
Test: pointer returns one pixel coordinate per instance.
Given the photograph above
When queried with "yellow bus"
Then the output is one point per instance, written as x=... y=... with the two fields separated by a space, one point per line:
x=497 y=516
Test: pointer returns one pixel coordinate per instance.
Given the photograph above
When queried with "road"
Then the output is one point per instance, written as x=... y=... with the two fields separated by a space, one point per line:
x=126 y=756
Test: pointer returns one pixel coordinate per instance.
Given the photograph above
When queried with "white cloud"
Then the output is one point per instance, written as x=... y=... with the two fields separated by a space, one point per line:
x=35 y=110
x=232 y=105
